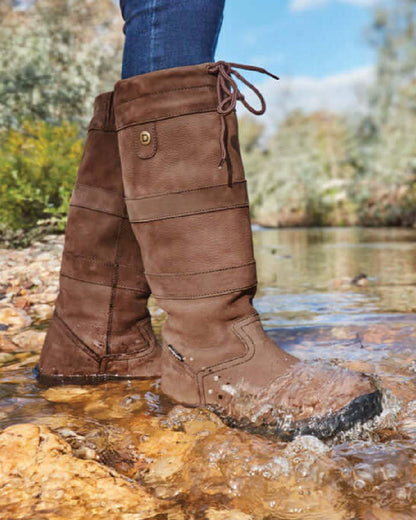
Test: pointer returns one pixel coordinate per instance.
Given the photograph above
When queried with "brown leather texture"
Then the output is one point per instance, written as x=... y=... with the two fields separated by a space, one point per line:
x=101 y=326
x=191 y=219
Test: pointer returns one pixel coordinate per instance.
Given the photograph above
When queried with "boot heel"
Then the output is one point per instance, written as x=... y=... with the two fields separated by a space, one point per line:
x=64 y=359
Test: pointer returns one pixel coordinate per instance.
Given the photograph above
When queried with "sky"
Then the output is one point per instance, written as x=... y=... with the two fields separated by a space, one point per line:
x=317 y=47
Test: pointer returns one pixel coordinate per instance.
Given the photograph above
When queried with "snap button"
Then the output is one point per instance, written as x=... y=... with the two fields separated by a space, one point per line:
x=145 y=137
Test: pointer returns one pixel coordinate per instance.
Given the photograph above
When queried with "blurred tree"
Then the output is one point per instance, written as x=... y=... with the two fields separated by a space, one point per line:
x=386 y=142
x=393 y=34
x=55 y=56
x=301 y=177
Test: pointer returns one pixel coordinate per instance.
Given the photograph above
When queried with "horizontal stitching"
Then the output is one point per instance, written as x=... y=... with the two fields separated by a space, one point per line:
x=95 y=260
x=96 y=129
x=124 y=287
x=74 y=205
x=89 y=186
x=167 y=116
x=201 y=272
x=128 y=288
x=132 y=355
x=89 y=259
x=184 y=191
x=197 y=212
x=206 y=295
x=65 y=275
x=165 y=92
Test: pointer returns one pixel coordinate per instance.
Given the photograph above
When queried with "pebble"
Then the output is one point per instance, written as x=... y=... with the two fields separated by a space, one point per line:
x=31 y=340
x=13 y=319
x=41 y=312
x=65 y=394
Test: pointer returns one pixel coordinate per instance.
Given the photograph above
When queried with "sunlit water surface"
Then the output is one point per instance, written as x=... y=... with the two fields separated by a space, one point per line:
x=310 y=307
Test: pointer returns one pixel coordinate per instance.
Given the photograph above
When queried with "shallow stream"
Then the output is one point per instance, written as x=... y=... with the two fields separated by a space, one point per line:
x=342 y=295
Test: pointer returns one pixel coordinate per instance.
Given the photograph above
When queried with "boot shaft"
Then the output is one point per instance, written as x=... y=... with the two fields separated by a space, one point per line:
x=101 y=318
x=194 y=213
x=187 y=201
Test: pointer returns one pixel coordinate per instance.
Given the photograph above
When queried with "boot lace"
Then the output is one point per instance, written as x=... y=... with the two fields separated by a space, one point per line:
x=228 y=94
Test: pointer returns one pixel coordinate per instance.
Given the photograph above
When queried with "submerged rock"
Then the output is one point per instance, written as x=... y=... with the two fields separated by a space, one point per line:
x=29 y=340
x=13 y=319
x=40 y=477
x=121 y=450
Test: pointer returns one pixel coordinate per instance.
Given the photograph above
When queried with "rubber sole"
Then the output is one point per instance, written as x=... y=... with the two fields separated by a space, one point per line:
x=358 y=411
x=94 y=379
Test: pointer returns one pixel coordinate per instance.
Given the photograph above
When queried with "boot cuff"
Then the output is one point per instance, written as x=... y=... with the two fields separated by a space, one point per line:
x=164 y=94
x=103 y=118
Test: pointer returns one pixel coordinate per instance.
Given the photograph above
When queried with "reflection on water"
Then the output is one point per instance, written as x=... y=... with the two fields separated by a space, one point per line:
x=191 y=465
x=305 y=274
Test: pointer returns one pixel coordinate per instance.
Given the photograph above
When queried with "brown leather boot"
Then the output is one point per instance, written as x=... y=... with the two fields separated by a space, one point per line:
x=101 y=327
x=187 y=201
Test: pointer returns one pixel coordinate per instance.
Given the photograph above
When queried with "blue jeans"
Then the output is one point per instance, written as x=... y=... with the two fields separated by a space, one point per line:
x=169 y=33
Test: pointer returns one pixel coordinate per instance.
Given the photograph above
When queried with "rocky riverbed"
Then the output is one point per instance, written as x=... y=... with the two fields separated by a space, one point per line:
x=123 y=451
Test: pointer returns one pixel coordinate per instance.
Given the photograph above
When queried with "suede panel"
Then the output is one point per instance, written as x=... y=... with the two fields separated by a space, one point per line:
x=102 y=304
x=190 y=202
x=88 y=321
x=71 y=358
x=202 y=284
x=99 y=199
x=187 y=157
x=188 y=244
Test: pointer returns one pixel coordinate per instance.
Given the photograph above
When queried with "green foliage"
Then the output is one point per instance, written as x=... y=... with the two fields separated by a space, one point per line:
x=55 y=57
x=37 y=172
x=316 y=169
x=300 y=178
x=53 y=62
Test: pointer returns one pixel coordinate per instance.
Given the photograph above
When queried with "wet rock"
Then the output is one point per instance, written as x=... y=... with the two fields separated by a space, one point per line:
x=113 y=400
x=192 y=454
x=194 y=421
x=13 y=319
x=215 y=514
x=43 y=298
x=360 y=280
x=66 y=394
x=6 y=345
x=41 y=312
x=14 y=361
x=6 y=357
x=29 y=340
x=165 y=452
x=38 y=472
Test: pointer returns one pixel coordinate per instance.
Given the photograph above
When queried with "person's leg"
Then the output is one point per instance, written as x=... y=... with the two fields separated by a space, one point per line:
x=161 y=34
x=187 y=202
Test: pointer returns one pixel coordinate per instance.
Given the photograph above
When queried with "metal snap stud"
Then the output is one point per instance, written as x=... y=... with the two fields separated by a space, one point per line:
x=145 y=137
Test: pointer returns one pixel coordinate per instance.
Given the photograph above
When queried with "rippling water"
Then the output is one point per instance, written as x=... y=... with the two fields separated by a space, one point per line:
x=313 y=307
